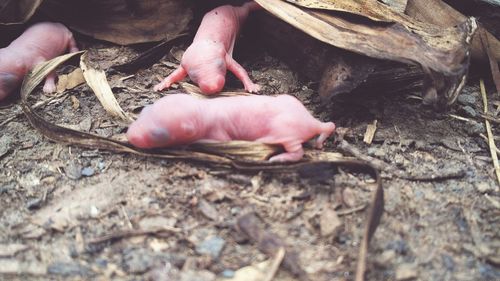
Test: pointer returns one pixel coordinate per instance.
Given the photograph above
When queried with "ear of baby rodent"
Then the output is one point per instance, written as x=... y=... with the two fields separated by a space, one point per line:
x=8 y=84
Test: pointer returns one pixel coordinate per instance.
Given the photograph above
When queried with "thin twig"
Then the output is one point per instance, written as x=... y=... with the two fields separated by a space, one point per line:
x=490 y=118
x=459 y=117
x=275 y=265
x=129 y=224
x=491 y=141
x=131 y=233
x=458 y=174
x=351 y=210
x=348 y=148
x=493 y=201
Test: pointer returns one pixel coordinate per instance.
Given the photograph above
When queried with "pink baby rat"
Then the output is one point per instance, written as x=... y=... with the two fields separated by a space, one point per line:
x=182 y=119
x=210 y=55
x=39 y=43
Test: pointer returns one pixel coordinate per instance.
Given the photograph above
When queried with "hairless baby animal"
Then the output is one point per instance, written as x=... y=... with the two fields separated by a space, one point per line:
x=210 y=55
x=39 y=43
x=182 y=119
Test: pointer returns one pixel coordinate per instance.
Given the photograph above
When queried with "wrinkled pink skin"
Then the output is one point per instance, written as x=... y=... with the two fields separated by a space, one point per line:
x=182 y=119
x=210 y=55
x=39 y=43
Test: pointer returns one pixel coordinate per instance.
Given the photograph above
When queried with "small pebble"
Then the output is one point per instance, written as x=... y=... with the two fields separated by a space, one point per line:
x=137 y=261
x=88 y=171
x=101 y=165
x=474 y=128
x=235 y=211
x=489 y=272
x=469 y=111
x=69 y=269
x=34 y=204
x=448 y=262
x=228 y=273
x=73 y=171
x=386 y=258
x=211 y=246
x=94 y=212
x=466 y=99
x=484 y=187
x=399 y=246
x=103 y=263
x=406 y=272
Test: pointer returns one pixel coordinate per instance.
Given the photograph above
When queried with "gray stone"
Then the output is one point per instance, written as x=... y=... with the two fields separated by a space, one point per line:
x=137 y=261
x=469 y=111
x=88 y=171
x=211 y=246
x=228 y=273
x=466 y=99
x=69 y=269
x=474 y=128
x=73 y=170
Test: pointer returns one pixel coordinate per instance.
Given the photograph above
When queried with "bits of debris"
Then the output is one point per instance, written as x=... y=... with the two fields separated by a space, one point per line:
x=406 y=272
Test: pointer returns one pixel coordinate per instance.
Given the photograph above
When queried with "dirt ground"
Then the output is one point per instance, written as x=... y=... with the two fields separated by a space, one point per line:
x=56 y=200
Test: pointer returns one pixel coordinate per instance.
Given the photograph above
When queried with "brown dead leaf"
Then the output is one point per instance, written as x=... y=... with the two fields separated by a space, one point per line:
x=96 y=79
x=438 y=12
x=70 y=81
x=75 y=102
x=122 y=22
x=373 y=10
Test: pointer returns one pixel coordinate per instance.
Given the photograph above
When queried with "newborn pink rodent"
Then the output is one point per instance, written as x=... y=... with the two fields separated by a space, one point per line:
x=39 y=43
x=179 y=119
x=210 y=55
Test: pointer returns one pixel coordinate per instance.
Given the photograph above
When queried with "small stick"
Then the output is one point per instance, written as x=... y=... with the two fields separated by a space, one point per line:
x=131 y=233
x=129 y=224
x=370 y=132
x=351 y=210
x=275 y=265
x=491 y=141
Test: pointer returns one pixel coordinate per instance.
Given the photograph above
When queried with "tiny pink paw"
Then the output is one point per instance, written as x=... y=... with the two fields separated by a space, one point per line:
x=49 y=88
x=318 y=144
x=287 y=157
x=253 y=88
x=159 y=87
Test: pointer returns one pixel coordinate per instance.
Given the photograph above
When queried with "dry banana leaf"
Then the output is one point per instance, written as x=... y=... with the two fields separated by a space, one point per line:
x=122 y=21
x=238 y=149
x=369 y=9
x=17 y=11
x=396 y=5
x=441 y=14
x=96 y=79
x=442 y=53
